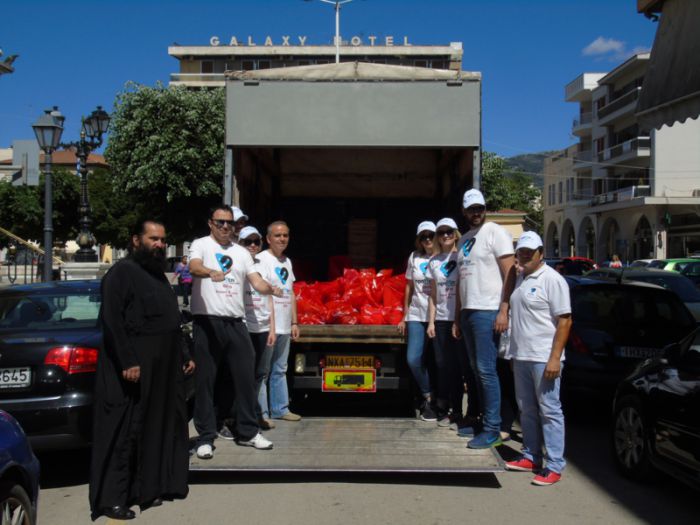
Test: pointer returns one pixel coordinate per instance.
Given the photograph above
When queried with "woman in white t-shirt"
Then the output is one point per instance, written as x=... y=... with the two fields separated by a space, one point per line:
x=259 y=317
x=415 y=321
x=442 y=270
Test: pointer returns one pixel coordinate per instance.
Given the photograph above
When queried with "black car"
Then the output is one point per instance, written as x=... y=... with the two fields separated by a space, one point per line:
x=656 y=415
x=616 y=325
x=49 y=343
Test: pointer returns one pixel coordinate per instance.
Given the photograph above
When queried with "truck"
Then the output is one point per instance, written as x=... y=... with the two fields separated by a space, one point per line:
x=352 y=156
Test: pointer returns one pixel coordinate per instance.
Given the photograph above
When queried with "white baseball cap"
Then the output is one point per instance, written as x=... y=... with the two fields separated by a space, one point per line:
x=238 y=213
x=529 y=240
x=426 y=226
x=446 y=222
x=473 y=197
x=248 y=231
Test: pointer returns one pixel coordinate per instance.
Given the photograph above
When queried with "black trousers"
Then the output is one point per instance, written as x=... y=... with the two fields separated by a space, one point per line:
x=220 y=341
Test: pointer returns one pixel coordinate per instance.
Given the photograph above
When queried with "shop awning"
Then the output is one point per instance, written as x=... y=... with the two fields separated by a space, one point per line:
x=671 y=90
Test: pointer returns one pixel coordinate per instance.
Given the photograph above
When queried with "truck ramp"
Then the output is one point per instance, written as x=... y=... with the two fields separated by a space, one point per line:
x=355 y=445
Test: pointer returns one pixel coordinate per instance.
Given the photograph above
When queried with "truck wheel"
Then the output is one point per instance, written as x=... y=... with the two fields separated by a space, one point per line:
x=15 y=506
x=629 y=439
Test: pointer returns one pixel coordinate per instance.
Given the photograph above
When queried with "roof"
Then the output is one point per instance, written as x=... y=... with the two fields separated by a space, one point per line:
x=68 y=158
x=623 y=68
x=353 y=71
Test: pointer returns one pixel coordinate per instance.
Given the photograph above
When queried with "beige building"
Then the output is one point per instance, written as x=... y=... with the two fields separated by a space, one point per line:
x=622 y=188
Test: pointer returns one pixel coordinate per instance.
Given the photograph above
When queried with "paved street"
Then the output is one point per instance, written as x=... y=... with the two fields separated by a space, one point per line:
x=591 y=492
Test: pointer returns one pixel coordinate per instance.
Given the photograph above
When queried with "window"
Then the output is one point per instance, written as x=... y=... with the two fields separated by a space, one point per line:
x=599 y=103
x=50 y=312
x=263 y=64
x=600 y=144
x=207 y=66
x=420 y=63
x=561 y=185
x=248 y=65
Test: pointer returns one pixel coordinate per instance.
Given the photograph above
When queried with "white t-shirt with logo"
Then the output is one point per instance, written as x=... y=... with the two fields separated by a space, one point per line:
x=278 y=272
x=225 y=298
x=480 y=280
x=257 y=305
x=443 y=271
x=417 y=271
x=537 y=301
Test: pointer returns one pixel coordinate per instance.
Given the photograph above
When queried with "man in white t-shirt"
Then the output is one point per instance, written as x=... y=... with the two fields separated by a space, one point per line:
x=486 y=279
x=541 y=321
x=277 y=269
x=220 y=269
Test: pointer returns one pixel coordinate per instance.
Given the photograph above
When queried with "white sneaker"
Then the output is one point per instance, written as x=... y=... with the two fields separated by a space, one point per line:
x=205 y=452
x=259 y=441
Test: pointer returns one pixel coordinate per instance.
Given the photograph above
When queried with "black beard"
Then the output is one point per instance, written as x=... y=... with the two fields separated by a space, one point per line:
x=151 y=260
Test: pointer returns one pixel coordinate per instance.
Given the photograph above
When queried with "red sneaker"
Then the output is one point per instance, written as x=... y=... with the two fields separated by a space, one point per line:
x=522 y=465
x=546 y=477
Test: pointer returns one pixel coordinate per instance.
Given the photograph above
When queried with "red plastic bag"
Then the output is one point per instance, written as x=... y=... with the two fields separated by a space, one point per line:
x=309 y=319
x=337 y=309
x=371 y=315
x=394 y=289
x=392 y=315
x=348 y=319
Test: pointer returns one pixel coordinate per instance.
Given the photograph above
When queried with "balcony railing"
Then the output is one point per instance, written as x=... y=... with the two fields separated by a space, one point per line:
x=197 y=77
x=621 y=195
x=634 y=144
x=584 y=119
x=583 y=156
x=618 y=103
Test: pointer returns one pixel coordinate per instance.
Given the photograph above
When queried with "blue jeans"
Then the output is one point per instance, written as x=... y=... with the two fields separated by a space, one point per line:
x=415 y=350
x=263 y=362
x=278 y=393
x=450 y=387
x=541 y=417
x=482 y=349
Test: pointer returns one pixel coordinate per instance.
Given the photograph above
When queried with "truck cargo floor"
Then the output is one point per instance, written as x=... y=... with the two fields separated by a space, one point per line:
x=354 y=445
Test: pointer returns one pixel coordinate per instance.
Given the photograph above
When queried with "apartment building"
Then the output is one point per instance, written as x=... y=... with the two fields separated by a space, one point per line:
x=204 y=66
x=622 y=188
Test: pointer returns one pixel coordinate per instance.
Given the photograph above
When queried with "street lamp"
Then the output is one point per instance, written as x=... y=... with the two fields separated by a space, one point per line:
x=48 y=129
x=336 y=4
x=93 y=127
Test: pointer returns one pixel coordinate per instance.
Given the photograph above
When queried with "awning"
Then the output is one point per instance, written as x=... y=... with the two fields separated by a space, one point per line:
x=671 y=90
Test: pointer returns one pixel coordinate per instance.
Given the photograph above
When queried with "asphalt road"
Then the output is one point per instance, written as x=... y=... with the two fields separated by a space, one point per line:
x=591 y=491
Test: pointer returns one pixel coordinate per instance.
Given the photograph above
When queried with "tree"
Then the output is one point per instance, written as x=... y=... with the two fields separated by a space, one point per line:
x=514 y=191
x=166 y=153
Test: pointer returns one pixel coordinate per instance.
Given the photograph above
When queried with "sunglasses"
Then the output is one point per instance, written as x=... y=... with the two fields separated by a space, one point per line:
x=220 y=223
x=446 y=233
x=476 y=209
x=426 y=237
x=248 y=242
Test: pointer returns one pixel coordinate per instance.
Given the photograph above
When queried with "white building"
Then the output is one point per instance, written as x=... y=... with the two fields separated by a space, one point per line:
x=622 y=188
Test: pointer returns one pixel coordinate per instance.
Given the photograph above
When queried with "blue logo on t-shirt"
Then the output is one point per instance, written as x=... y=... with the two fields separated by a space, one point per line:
x=282 y=273
x=225 y=262
x=447 y=267
x=424 y=268
x=467 y=247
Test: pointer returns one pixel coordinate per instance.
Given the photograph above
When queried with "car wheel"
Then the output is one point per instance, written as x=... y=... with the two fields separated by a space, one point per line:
x=630 y=444
x=15 y=507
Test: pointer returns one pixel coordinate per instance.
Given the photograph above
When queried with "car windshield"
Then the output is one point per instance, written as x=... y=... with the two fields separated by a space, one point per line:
x=657 y=264
x=54 y=310
x=680 y=285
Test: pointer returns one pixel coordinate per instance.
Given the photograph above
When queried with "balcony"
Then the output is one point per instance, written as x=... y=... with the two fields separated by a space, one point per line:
x=580 y=88
x=613 y=108
x=197 y=79
x=628 y=150
x=621 y=195
x=583 y=124
x=583 y=159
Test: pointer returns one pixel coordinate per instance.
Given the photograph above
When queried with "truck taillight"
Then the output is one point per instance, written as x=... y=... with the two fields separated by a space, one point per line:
x=577 y=344
x=377 y=363
x=299 y=363
x=73 y=359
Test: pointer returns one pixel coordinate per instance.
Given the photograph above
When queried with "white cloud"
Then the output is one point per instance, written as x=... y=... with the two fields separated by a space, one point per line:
x=611 y=49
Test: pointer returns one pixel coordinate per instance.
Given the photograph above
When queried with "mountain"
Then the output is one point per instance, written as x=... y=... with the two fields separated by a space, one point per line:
x=532 y=164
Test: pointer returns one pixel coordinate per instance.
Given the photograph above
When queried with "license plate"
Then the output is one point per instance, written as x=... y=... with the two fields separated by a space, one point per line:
x=15 y=377
x=349 y=361
x=343 y=380
x=636 y=352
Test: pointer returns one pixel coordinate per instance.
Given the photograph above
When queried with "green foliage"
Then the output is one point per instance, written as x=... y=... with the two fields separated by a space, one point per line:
x=514 y=191
x=166 y=153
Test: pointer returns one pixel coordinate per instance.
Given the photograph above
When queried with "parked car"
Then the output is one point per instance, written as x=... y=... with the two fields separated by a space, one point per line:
x=643 y=263
x=616 y=325
x=656 y=415
x=19 y=474
x=671 y=265
x=673 y=281
x=692 y=272
x=571 y=265
x=49 y=343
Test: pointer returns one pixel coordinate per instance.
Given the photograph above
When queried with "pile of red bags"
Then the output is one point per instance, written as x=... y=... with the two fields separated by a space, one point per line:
x=358 y=297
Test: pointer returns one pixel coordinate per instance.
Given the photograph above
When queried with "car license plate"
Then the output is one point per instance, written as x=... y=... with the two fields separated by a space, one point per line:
x=344 y=380
x=636 y=352
x=15 y=377
x=349 y=361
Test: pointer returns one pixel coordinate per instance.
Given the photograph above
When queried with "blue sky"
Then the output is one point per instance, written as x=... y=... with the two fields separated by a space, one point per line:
x=78 y=54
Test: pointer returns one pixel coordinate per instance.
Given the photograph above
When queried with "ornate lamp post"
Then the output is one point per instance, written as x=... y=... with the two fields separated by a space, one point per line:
x=93 y=127
x=48 y=129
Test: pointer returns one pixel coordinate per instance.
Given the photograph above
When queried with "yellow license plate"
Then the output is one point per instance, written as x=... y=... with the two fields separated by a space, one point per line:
x=349 y=361
x=343 y=380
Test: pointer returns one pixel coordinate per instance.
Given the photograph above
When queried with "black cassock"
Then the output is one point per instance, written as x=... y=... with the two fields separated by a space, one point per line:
x=140 y=446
